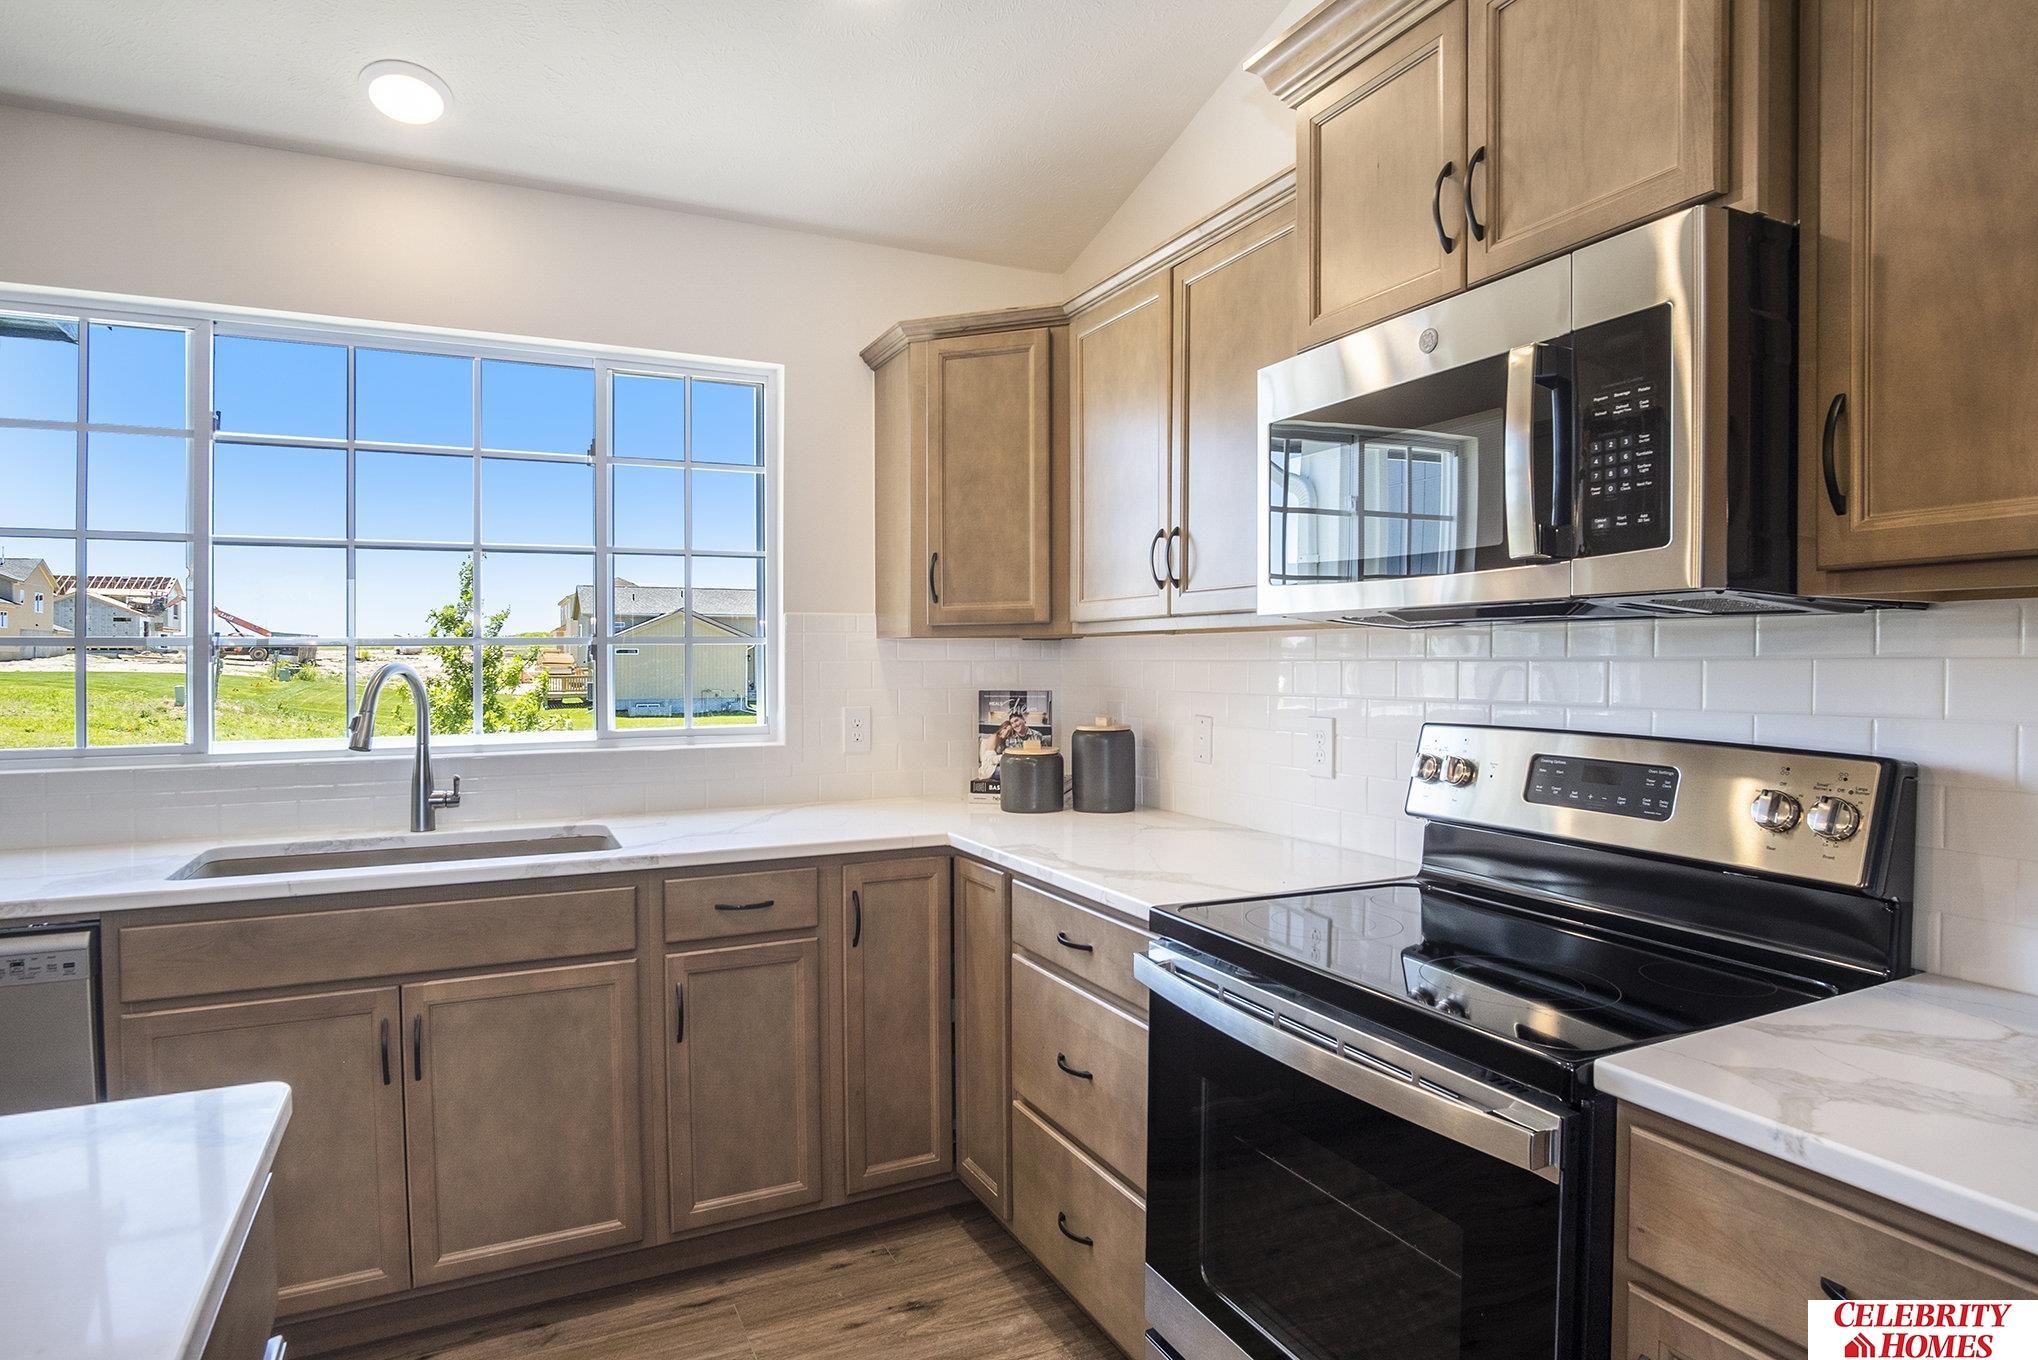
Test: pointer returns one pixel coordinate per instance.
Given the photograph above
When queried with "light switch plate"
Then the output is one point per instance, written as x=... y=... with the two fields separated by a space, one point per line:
x=856 y=730
x=1322 y=737
x=1206 y=737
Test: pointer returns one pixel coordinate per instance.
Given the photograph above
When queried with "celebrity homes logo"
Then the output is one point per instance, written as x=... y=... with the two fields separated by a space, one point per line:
x=1862 y=1329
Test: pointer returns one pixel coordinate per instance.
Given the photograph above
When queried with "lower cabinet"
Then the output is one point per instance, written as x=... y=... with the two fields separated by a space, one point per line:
x=983 y=996
x=337 y=1190
x=1080 y=1223
x=743 y=1080
x=898 y=1120
x=522 y=1117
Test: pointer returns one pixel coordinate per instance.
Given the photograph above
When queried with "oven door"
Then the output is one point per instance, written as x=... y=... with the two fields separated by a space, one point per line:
x=1309 y=1200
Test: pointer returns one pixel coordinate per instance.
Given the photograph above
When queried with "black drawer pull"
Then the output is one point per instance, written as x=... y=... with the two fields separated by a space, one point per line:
x=1477 y=228
x=1829 y=459
x=1061 y=1060
x=1833 y=1291
x=856 y=930
x=417 y=1047
x=385 y=1050
x=933 y=586
x=1061 y=937
x=1436 y=209
x=1062 y=1221
x=765 y=905
x=679 y=1012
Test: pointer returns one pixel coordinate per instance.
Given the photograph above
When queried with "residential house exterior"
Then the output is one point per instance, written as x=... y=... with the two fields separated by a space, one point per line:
x=158 y=600
x=650 y=681
x=28 y=609
x=105 y=617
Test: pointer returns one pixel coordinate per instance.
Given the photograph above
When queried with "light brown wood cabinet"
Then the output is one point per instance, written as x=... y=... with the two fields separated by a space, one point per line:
x=899 y=1097
x=1920 y=262
x=521 y=1117
x=971 y=491
x=1120 y=355
x=983 y=1022
x=743 y=1080
x=337 y=1189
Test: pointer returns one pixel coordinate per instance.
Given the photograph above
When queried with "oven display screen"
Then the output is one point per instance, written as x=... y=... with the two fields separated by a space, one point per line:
x=1617 y=787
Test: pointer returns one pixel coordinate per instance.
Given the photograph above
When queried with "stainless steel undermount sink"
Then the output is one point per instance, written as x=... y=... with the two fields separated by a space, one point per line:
x=240 y=861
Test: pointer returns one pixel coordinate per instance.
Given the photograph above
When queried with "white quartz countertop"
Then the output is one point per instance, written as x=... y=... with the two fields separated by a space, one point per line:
x=123 y=1220
x=1130 y=862
x=1923 y=1091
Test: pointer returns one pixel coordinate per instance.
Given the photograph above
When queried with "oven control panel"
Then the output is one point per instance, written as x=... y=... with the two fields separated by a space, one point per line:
x=1798 y=814
x=1623 y=385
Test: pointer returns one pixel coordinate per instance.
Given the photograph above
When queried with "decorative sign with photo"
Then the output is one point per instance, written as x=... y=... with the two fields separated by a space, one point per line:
x=1007 y=718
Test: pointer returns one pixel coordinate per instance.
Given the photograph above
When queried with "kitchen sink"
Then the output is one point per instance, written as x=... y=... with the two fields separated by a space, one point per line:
x=241 y=861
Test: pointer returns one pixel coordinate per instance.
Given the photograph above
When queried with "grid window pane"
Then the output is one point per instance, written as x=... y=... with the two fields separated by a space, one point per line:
x=649 y=682
x=517 y=682
x=138 y=483
x=448 y=673
x=137 y=376
x=38 y=368
x=406 y=593
x=531 y=594
x=414 y=497
x=725 y=597
x=727 y=422
x=38 y=694
x=728 y=512
x=297 y=692
x=648 y=598
x=38 y=479
x=527 y=501
x=406 y=398
x=276 y=491
x=267 y=600
x=542 y=408
x=649 y=508
x=726 y=688
x=648 y=416
x=136 y=696
x=280 y=387
x=134 y=588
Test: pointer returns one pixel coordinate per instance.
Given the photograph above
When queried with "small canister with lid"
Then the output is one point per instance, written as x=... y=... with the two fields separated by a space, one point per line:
x=1106 y=769
x=1030 y=779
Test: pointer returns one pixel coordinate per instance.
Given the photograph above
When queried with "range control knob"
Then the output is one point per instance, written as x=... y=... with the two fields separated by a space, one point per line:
x=1460 y=771
x=1429 y=768
x=1775 y=810
x=1835 y=819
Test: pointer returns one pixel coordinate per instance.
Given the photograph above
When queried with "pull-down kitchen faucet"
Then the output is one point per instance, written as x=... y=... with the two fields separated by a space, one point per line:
x=425 y=801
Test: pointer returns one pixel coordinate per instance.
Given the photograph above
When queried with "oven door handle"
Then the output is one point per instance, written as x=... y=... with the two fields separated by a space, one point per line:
x=1425 y=1104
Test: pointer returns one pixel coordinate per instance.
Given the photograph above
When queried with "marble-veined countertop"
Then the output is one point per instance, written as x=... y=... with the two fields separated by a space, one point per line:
x=124 y=1220
x=1129 y=862
x=1923 y=1091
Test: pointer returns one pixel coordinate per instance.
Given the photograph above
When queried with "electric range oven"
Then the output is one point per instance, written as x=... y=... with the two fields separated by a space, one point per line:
x=1372 y=1129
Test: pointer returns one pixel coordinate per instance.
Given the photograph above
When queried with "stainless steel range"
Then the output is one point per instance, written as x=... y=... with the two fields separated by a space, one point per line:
x=1372 y=1124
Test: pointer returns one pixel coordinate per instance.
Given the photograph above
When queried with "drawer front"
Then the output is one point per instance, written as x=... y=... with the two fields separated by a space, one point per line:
x=200 y=958
x=1078 y=941
x=742 y=904
x=1658 y=1331
x=1059 y=1196
x=1759 y=1248
x=1082 y=1064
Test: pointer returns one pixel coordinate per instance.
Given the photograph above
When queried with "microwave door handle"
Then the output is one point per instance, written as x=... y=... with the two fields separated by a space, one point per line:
x=1556 y=380
x=1518 y=453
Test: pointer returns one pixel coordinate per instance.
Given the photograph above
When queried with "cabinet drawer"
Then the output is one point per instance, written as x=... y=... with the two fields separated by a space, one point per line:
x=1083 y=1065
x=1078 y=941
x=1059 y=1196
x=1759 y=1248
x=1657 y=1331
x=198 y=958
x=741 y=904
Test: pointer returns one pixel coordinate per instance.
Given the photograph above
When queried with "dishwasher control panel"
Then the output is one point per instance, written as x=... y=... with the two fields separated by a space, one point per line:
x=27 y=959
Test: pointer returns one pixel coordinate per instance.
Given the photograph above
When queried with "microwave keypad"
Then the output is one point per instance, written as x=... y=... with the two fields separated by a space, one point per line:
x=1624 y=474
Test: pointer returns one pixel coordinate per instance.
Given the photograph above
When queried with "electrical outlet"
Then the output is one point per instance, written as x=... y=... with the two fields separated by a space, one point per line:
x=1323 y=747
x=856 y=730
x=1206 y=737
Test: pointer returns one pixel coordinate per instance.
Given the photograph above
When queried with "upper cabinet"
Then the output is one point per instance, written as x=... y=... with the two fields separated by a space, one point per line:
x=1921 y=387
x=1120 y=350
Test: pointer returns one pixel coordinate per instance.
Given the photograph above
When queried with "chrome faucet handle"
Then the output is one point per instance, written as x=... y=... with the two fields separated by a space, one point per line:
x=447 y=797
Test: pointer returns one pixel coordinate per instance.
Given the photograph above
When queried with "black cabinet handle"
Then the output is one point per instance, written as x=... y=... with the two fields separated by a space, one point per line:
x=1472 y=221
x=856 y=910
x=417 y=1047
x=1436 y=207
x=765 y=905
x=385 y=1050
x=1177 y=577
x=1062 y=1221
x=1828 y=459
x=1159 y=581
x=1061 y=1060
x=1061 y=937
x=679 y=1012
x=933 y=590
x=1833 y=1291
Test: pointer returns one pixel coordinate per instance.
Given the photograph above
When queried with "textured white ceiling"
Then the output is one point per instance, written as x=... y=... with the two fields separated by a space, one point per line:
x=1003 y=130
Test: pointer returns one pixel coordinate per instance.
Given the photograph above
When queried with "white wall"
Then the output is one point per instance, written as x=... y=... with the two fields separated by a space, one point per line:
x=107 y=208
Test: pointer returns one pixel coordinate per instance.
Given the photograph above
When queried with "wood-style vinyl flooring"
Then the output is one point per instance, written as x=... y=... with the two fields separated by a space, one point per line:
x=952 y=1283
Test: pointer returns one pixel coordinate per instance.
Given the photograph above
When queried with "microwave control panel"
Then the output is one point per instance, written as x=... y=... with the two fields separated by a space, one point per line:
x=1623 y=387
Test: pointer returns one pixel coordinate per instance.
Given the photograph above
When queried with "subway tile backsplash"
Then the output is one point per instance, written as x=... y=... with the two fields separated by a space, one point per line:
x=1954 y=688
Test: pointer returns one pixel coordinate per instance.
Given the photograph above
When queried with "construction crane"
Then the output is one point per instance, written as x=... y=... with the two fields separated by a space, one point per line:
x=258 y=643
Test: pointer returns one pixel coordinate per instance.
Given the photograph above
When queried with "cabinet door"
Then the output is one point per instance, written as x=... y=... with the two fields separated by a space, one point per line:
x=1592 y=115
x=895 y=1023
x=983 y=1098
x=1379 y=177
x=1927 y=388
x=522 y=1117
x=743 y=1074
x=988 y=485
x=338 y=1192
x=1119 y=396
x=1234 y=314
x=1657 y=1331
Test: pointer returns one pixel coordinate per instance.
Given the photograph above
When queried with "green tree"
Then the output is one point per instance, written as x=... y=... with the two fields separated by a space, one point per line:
x=507 y=705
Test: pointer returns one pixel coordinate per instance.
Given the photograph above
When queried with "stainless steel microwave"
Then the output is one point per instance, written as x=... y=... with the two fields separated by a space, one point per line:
x=1607 y=434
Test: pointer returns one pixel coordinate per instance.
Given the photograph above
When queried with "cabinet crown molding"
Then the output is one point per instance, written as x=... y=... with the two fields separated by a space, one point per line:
x=881 y=350
x=1328 y=41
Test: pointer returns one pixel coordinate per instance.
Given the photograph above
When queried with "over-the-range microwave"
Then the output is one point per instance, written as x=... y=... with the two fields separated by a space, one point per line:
x=1608 y=434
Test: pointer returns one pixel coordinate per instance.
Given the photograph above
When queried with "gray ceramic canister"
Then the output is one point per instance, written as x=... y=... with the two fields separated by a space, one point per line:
x=1106 y=769
x=1030 y=779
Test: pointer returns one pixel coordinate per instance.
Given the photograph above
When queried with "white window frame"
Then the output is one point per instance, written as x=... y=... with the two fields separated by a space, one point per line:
x=39 y=601
x=203 y=324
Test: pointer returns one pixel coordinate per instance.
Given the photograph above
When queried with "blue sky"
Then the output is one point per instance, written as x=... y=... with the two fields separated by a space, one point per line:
x=289 y=389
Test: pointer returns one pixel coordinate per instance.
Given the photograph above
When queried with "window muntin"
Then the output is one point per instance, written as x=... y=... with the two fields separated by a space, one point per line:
x=364 y=496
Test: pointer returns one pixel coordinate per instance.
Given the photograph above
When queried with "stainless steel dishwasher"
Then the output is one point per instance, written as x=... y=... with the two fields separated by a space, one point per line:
x=49 y=1018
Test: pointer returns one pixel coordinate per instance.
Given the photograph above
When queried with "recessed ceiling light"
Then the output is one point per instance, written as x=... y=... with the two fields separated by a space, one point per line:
x=405 y=91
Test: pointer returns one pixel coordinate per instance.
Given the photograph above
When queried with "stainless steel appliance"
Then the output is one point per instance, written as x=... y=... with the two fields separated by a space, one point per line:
x=49 y=1019
x=1609 y=434
x=1373 y=1130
